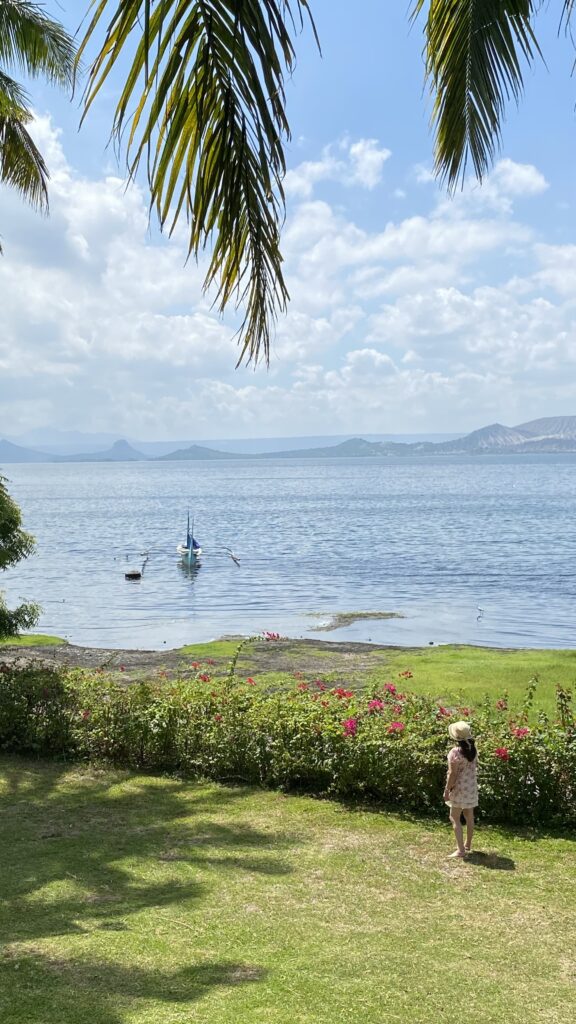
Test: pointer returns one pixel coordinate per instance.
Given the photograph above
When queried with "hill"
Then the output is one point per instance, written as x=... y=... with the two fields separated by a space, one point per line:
x=120 y=451
x=10 y=453
x=198 y=453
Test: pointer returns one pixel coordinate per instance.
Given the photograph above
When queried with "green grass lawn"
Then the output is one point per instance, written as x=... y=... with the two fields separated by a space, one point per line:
x=472 y=672
x=32 y=640
x=136 y=900
x=453 y=674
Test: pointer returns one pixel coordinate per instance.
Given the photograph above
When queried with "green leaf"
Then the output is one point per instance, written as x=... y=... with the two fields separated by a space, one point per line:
x=203 y=104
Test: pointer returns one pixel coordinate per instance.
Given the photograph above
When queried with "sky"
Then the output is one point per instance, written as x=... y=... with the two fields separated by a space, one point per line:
x=410 y=311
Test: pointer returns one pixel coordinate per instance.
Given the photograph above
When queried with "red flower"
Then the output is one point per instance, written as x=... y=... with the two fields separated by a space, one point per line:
x=210 y=661
x=218 y=718
x=443 y=712
x=376 y=705
x=396 y=727
x=303 y=687
x=342 y=694
x=405 y=675
x=503 y=753
x=195 y=664
x=390 y=688
x=321 y=686
x=86 y=714
x=250 y=681
x=325 y=703
x=465 y=712
x=350 y=726
x=502 y=704
x=204 y=678
x=521 y=732
x=122 y=669
x=397 y=709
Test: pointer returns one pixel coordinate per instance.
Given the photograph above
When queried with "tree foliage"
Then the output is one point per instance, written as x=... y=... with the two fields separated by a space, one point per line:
x=203 y=109
x=32 y=43
x=475 y=51
x=15 y=544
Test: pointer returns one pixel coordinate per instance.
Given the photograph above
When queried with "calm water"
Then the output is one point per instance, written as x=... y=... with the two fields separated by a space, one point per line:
x=436 y=540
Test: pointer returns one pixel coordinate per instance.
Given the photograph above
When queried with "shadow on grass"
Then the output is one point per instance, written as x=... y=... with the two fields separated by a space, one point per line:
x=82 y=851
x=490 y=860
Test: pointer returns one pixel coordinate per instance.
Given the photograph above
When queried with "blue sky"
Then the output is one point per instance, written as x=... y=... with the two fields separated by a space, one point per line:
x=410 y=311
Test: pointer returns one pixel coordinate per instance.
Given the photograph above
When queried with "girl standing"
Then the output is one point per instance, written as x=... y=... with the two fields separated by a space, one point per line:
x=461 y=792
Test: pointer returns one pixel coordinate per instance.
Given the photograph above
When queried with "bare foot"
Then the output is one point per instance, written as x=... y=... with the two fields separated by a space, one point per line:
x=457 y=855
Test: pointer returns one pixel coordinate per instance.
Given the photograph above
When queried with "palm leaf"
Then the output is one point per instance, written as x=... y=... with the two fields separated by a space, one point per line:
x=34 y=43
x=474 y=51
x=21 y=164
x=203 y=109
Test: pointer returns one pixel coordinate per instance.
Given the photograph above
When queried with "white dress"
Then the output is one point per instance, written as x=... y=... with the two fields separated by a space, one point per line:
x=464 y=790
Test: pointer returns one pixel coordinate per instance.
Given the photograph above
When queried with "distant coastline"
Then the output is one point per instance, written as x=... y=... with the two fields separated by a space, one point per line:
x=549 y=435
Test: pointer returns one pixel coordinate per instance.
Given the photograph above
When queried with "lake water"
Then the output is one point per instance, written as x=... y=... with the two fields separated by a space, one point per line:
x=435 y=539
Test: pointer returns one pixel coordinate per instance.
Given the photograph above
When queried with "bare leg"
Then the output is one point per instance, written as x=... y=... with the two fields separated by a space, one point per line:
x=469 y=815
x=455 y=813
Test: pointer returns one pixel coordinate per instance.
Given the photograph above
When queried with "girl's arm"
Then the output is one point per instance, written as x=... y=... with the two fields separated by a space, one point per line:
x=450 y=778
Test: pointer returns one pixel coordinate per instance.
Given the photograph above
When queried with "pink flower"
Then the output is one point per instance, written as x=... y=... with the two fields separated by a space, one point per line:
x=350 y=726
x=521 y=732
x=390 y=688
x=270 y=636
x=397 y=709
x=503 y=753
x=396 y=727
x=502 y=704
x=376 y=705
x=320 y=685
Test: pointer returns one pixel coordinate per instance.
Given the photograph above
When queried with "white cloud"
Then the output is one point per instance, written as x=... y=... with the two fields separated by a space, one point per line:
x=449 y=317
x=349 y=163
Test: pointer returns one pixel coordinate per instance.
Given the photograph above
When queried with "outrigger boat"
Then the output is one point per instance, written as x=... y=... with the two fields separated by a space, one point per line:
x=191 y=550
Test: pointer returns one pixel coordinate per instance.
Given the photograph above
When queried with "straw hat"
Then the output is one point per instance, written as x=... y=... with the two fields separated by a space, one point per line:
x=460 y=731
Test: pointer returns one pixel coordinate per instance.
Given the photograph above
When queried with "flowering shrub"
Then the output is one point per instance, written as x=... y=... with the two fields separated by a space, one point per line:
x=374 y=744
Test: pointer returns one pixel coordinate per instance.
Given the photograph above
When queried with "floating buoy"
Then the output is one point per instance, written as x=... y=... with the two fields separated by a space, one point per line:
x=134 y=574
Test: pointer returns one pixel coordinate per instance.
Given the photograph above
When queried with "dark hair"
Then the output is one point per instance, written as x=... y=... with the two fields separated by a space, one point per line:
x=468 y=748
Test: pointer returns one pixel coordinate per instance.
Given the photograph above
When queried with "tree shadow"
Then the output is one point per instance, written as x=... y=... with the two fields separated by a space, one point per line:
x=83 y=851
x=492 y=861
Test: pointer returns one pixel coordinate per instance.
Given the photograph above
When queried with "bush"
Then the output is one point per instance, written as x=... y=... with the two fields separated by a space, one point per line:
x=382 y=745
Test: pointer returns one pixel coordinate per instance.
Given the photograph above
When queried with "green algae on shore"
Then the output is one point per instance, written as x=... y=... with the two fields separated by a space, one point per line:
x=339 y=620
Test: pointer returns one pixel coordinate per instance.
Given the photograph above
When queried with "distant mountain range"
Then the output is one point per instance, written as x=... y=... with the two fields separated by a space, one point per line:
x=548 y=435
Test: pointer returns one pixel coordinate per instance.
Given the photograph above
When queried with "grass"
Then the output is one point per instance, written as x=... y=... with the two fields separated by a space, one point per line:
x=32 y=640
x=136 y=900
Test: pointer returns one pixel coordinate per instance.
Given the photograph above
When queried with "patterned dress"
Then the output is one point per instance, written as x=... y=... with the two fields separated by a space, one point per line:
x=464 y=789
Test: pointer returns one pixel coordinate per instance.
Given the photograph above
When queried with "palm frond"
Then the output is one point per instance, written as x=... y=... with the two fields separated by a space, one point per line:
x=203 y=107
x=21 y=164
x=474 y=51
x=34 y=43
